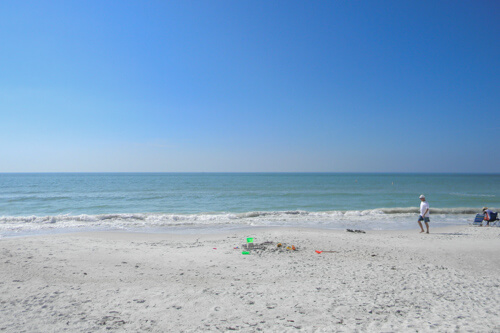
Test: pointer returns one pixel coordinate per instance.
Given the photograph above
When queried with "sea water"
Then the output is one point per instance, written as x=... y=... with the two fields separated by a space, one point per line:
x=203 y=202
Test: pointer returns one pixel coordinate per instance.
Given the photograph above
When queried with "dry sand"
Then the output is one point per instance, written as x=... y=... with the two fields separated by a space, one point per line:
x=388 y=281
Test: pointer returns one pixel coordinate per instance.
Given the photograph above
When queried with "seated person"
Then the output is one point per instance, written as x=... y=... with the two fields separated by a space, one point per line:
x=489 y=216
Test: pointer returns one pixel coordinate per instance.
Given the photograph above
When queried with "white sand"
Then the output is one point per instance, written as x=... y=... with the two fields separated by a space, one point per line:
x=391 y=281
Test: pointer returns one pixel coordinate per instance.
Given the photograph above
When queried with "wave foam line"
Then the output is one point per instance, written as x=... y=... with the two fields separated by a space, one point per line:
x=159 y=218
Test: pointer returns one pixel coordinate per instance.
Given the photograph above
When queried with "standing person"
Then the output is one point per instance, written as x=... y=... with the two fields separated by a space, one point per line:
x=424 y=214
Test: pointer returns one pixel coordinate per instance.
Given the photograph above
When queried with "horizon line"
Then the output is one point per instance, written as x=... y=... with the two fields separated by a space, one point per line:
x=250 y=172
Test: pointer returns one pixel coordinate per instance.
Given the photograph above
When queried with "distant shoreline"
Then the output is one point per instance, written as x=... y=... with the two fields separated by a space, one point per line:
x=260 y=172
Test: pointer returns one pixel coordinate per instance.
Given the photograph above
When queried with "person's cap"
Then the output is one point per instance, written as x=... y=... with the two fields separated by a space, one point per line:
x=422 y=197
x=485 y=208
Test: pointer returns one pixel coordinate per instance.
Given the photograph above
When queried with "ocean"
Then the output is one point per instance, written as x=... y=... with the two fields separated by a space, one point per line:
x=40 y=203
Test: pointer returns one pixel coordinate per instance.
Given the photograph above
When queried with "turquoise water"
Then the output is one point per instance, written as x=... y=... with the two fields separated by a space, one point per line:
x=52 y=201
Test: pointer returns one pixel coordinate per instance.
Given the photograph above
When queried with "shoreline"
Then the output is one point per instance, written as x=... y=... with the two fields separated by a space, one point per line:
x=219 y=228
x=389 y=280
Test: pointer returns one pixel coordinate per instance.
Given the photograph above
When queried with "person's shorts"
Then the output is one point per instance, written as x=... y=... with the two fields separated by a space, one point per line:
x=425 y=219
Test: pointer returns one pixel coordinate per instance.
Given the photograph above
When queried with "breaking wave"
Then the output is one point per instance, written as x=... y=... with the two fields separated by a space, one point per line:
x=472 y=195
x=377 y=218
x=454 y=211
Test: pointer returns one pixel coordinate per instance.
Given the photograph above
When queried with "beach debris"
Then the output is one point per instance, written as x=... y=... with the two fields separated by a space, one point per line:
x=268 y=247
x=249 y=244
x=245 y=252
x=319 y=252
x=356 y=231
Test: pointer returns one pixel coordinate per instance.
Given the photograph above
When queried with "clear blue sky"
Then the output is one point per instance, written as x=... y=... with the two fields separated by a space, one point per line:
x=354 y=86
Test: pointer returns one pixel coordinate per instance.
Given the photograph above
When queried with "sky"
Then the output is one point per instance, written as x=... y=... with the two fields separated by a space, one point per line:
x=249 y=86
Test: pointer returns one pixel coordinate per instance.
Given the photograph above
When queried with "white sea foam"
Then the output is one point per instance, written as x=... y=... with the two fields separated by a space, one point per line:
x=383 y=218
x=472 y=195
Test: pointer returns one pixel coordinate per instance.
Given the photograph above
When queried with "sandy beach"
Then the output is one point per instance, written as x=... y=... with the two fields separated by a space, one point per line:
x=378 y=281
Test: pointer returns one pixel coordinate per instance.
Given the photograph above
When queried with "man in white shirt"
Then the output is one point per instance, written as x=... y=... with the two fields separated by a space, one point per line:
x=424 y=214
